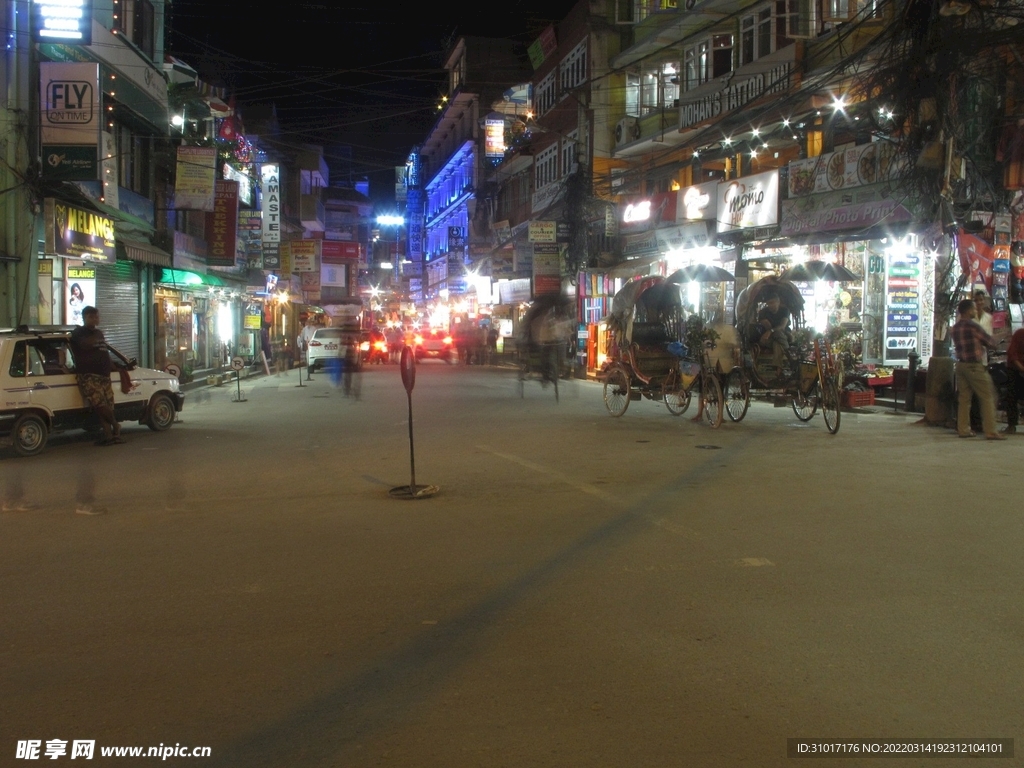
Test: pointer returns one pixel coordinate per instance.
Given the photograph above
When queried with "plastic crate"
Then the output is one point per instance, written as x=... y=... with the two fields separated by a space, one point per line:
x=852 y=399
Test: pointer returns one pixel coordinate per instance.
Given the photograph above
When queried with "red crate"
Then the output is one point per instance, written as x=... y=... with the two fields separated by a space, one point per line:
x=852 y=399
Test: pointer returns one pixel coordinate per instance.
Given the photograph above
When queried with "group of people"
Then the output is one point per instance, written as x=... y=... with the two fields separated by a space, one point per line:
x=475 y=344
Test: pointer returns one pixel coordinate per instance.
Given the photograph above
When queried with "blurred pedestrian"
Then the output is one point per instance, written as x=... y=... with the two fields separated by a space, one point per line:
x=972 y=377
x=1014 y=380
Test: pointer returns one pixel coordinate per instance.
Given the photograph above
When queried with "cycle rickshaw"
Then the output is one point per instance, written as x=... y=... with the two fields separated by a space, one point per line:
x=647 y=358
x=808 y=378
x=545 y=336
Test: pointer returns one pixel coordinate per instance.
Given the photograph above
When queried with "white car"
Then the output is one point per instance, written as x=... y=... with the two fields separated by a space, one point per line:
x=39 y=393
x=331 y=344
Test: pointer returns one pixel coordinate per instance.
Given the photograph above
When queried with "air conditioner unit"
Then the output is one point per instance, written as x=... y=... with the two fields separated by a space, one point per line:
x=627 y=131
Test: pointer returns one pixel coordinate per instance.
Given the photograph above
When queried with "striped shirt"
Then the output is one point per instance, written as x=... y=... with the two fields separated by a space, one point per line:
x=970 y=341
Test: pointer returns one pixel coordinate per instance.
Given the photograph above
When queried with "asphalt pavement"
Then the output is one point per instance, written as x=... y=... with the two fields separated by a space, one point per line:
x=582 y=591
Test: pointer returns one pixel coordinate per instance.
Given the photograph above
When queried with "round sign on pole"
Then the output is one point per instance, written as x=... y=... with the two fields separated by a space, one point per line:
x=408 y=365
x=237 y=363
x=174 y=370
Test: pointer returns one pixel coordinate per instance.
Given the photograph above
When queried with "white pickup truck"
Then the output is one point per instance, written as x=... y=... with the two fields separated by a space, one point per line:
x=39 y=393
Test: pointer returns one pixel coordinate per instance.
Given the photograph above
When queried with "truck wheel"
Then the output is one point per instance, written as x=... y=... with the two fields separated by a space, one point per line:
x=29 y=435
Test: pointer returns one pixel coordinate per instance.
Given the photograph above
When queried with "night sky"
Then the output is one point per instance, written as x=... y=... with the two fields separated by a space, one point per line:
x=368 y=75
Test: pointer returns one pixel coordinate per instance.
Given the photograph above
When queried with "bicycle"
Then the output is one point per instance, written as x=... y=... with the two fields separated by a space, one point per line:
x=699 y=375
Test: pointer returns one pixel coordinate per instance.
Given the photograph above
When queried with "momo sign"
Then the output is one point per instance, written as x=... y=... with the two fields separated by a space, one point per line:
x=76 y=233
x=749 y=202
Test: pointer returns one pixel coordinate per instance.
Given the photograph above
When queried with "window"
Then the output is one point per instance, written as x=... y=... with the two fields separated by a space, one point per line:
x=135 y=20
x=706 y=60
x=787 y=22
x=756 y=33
x=546 y=94
x=644 y=8
x=633 y=95
x=546 y=166
x=133 y=159
x=569 y=157
x=573 y=69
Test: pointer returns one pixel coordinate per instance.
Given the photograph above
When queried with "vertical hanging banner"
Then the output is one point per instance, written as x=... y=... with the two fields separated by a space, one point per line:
x=70 y=120
x=250 y=238
x=270 y=175
x=902 y=305
x=194 y=184
x=221 y=225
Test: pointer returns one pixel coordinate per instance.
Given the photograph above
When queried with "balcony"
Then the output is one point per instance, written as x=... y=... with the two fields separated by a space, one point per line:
x=311 y=212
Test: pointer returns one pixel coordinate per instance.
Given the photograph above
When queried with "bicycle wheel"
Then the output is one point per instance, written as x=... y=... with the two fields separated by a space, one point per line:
x=805 y=406
x=711 y=392
x=830 y=404
x=676 y=398
x=616 y=392
x=737 y=395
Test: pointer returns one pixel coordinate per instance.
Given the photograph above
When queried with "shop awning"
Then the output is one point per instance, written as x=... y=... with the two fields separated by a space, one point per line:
x=181 y=278
x=135 y=250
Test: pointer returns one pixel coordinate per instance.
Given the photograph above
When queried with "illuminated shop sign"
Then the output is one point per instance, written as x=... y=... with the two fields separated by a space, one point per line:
x=752 y=201
x=76 y=233
x=62 y=21
x=270 y=175
x=494 y=137
x=698 y=202
x=637 y=212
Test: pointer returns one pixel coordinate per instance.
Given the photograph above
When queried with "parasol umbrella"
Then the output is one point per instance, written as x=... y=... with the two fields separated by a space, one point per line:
x=820 y=270
x=700 y=273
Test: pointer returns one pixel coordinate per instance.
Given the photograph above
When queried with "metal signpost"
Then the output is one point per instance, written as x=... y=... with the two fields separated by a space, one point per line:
x=237 y=364
x=407 y=364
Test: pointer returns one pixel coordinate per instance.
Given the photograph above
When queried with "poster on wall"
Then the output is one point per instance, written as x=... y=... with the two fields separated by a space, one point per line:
x=79 y=293
x=902 y=306
x=194 y=184
x=70 y=120
x=976 y=261
x=44 y=301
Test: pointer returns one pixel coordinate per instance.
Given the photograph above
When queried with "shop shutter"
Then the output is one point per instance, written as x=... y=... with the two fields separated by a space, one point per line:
x=118 y=300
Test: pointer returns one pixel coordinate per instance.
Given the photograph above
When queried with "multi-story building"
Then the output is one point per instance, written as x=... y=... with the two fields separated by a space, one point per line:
x=554 y=151
x=452 y=160
x=81 y=226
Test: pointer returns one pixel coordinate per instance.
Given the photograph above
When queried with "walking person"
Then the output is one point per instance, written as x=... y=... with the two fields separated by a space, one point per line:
x=1014 y=380
x=93 y=367
x=972 y=376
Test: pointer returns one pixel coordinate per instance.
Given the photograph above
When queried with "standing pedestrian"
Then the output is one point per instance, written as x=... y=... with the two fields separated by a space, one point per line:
x=93 y=367
x=972 y=377
x=1014 y=380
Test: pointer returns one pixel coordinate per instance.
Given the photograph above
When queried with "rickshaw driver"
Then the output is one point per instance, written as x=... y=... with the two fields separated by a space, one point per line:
x=773 y=328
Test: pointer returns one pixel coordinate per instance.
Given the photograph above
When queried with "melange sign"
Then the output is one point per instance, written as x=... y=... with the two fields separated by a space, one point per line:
x=76 y=233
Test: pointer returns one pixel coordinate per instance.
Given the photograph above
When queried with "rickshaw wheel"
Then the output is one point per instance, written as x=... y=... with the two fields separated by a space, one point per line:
x=830 y=405
x=616 y=392
x=711 y=392
x=806 y=406
x=677 y=399
x=737 y=395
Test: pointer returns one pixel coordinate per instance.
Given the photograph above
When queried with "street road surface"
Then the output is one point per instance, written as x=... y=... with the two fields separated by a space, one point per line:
x=583 y=591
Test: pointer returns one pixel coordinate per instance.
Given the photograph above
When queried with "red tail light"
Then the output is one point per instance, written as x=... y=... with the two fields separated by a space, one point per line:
x=315 y=344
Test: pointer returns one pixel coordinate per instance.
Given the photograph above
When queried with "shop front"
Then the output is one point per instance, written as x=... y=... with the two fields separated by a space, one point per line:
x=197 y=320
x=85 y=262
